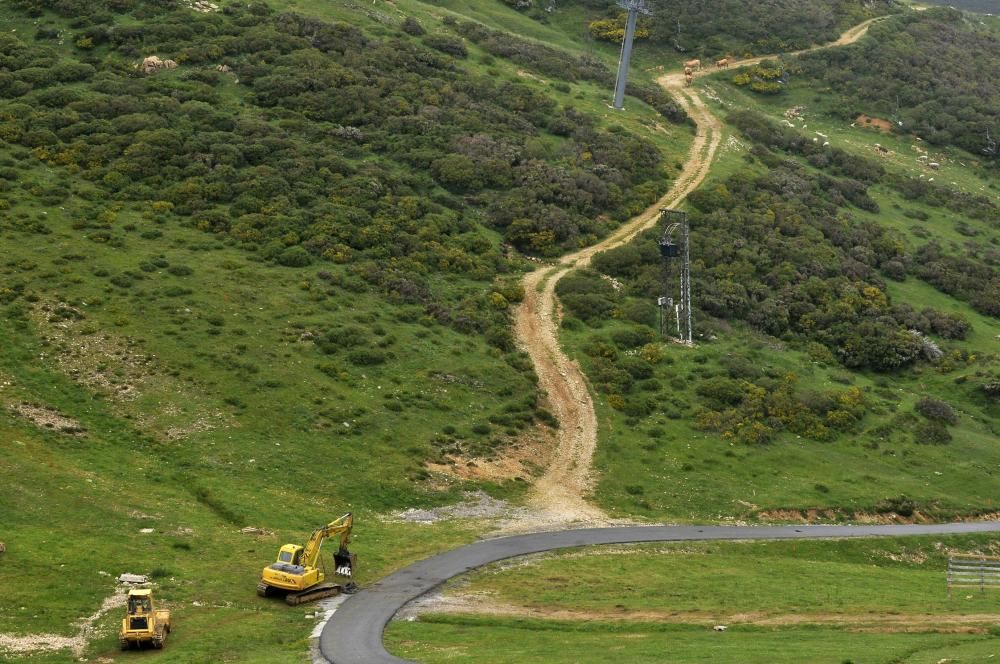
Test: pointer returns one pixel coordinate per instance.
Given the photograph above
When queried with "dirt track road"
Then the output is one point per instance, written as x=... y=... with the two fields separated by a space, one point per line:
x=559 y=497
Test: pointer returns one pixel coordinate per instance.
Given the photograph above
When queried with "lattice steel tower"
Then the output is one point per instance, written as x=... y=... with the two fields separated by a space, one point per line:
x=671 y=252
x=634 y=8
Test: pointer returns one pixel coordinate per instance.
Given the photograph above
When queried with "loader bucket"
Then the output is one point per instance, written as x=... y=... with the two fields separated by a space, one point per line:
x=344 y=561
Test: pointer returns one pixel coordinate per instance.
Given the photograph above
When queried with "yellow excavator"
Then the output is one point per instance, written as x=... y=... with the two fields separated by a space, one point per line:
x=296 y=574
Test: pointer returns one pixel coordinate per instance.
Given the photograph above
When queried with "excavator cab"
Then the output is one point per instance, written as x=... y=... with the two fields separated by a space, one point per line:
x=290 y=554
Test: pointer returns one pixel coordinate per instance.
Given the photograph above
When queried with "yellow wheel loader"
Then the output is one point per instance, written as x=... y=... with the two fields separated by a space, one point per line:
x=296 y=574
x=143 y=623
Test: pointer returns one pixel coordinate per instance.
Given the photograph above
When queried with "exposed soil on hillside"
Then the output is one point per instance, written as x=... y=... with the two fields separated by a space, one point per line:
x=103 y=362
x=47 y=417
x=77 y=643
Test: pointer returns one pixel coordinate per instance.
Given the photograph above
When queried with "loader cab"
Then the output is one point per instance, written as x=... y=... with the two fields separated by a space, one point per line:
x=140 y=601
x=290 y=554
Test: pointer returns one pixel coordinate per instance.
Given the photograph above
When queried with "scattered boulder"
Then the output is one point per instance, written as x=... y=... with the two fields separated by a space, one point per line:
x=250 y=530
x=794 y=112
x=153 y=64
x=719 y=628
x=132 y=579
x=203 y=6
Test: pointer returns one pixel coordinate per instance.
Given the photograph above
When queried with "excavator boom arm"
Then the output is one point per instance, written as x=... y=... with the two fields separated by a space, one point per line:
x=341 y=526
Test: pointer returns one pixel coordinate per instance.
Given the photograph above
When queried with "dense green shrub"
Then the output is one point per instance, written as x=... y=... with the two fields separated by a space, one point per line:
x=935 y=409
x=411 y=26
x=900 y=505
x=931 y=433
x=447 y=44
x=295 y=257
x=743 y=29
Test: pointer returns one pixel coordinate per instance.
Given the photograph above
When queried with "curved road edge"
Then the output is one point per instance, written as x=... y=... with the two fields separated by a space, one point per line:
x=354 y=634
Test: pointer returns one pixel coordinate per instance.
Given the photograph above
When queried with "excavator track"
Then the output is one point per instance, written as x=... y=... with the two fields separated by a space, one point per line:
x=320 y=591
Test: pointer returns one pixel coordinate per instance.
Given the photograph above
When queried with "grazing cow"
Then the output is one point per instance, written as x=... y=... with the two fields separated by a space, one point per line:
x=688 y=78
x=722 y=64
x=693 y=64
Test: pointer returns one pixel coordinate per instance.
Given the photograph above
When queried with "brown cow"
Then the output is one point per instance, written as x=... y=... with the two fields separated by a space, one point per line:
x=693 y=64
x=722 y=64
x=688 y=78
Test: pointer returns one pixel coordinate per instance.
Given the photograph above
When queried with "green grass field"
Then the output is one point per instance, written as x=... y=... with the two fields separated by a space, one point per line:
x=502 y=641
x=864 y=601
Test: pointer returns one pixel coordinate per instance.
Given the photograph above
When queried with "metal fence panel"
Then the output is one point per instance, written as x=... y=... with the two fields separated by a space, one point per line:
x=973 y=572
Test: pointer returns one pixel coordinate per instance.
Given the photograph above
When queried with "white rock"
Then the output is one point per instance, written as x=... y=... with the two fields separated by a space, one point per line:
x=132 y=578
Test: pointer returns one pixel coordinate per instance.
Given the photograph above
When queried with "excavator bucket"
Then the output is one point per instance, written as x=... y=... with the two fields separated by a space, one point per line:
x=344 y=561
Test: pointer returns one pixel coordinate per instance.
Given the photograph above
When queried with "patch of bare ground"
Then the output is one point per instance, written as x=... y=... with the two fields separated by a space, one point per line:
x=118 y=368
x=867 y=518
x=475 y=505
x=46 y=417
x=85 y=631
x=521 y=458
x=527 y=74
x=106 y=363
x=207 y=421
x=485 y=604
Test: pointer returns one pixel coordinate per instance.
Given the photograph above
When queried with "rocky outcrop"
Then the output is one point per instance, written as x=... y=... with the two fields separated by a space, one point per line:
x=153 y=64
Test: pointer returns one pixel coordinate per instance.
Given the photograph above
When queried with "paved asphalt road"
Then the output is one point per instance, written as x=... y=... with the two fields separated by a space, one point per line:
x=354 y=633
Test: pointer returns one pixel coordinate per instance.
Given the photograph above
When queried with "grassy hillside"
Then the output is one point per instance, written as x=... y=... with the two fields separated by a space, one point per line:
x=683 y=30
x=266 y=268
x=806 y=369
x=954 y=102
x=247 y=298
x=812 y=264
x=273 y=284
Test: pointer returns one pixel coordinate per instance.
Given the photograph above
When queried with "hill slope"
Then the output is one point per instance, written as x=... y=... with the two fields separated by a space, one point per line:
x=262 y=296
